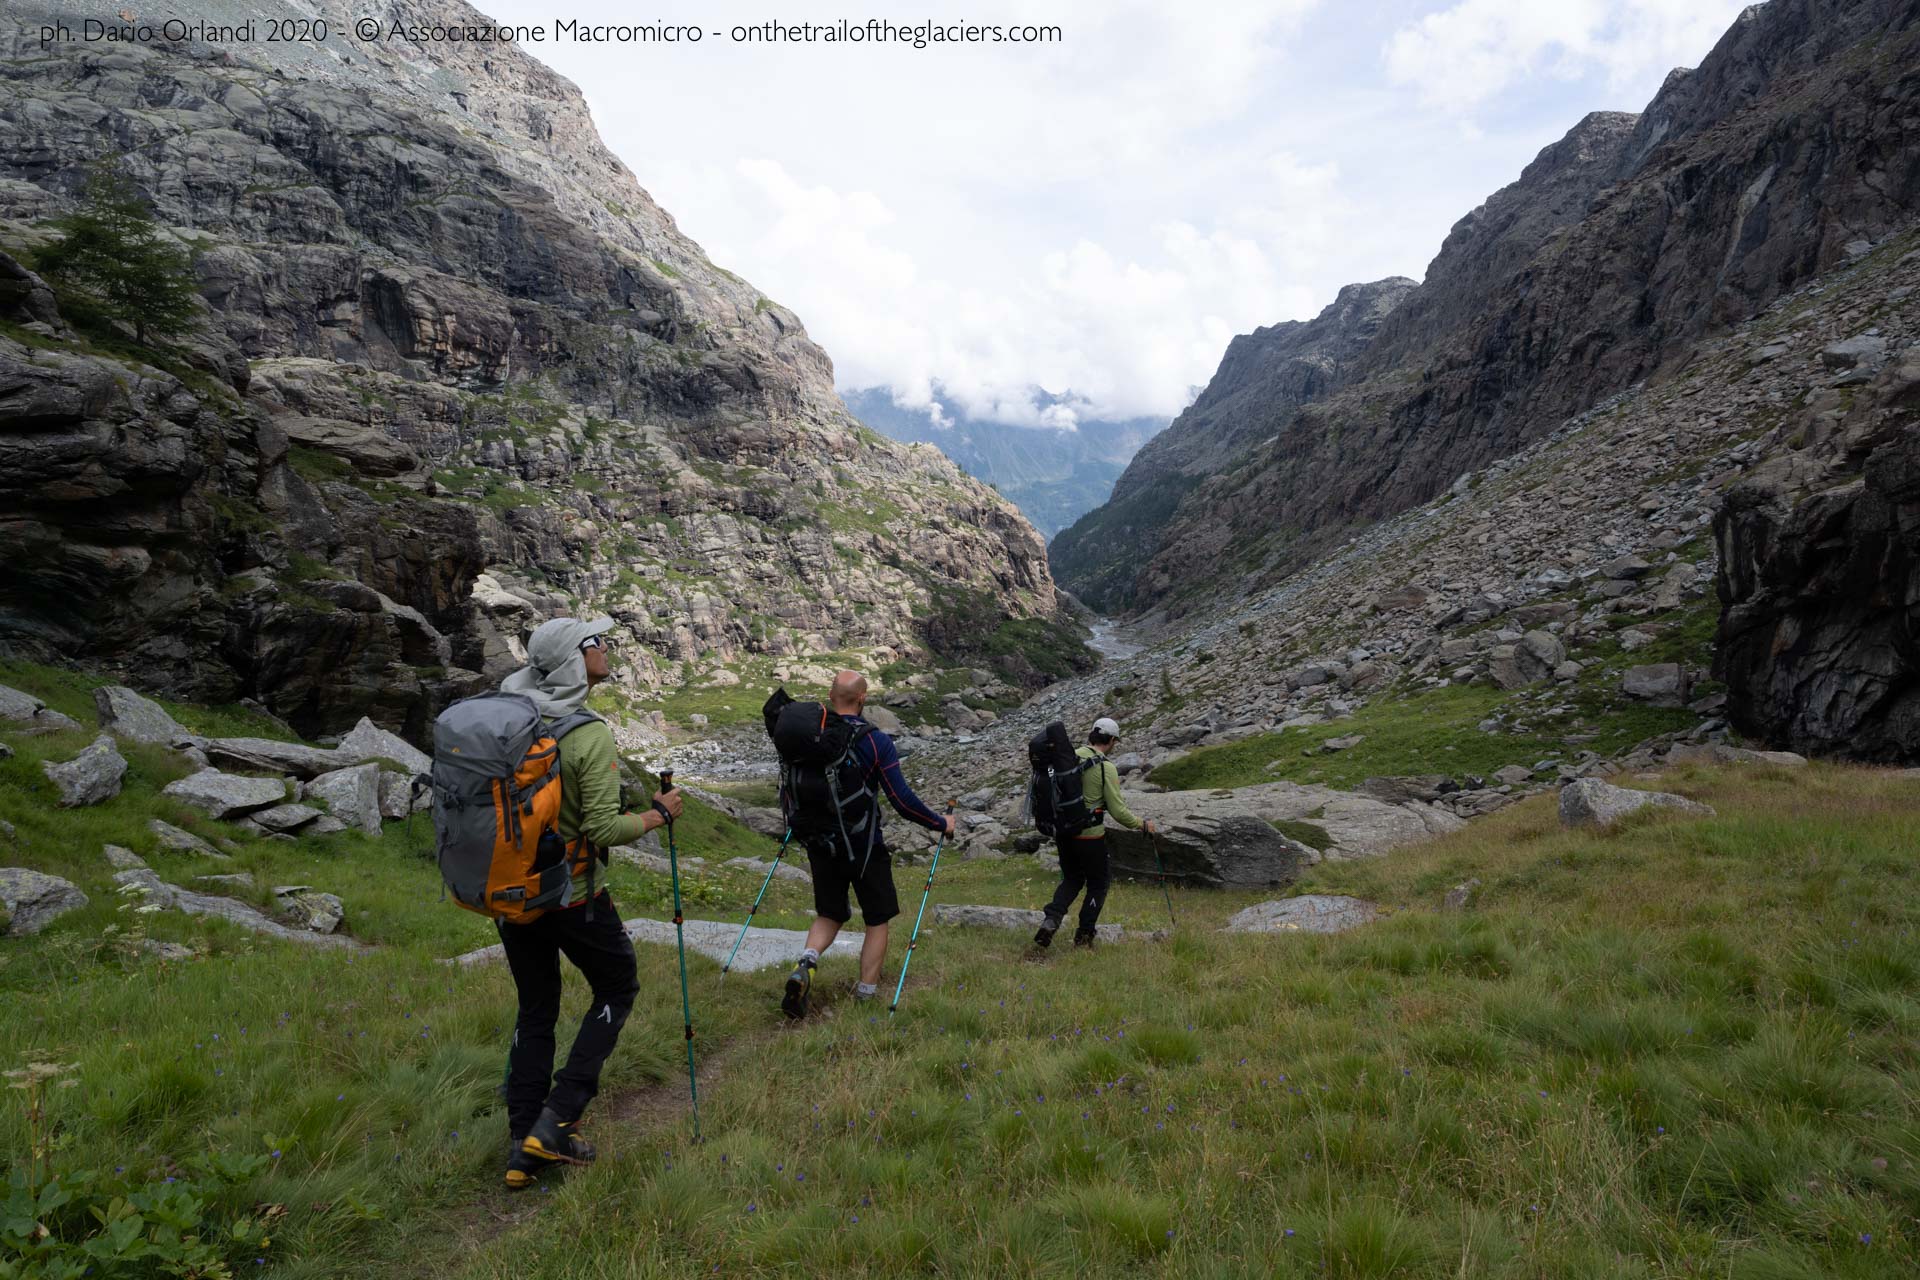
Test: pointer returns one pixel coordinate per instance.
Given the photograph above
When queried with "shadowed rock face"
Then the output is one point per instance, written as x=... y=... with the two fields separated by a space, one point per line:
x=1820 y=577
x=1614 y=252
x=447 y=334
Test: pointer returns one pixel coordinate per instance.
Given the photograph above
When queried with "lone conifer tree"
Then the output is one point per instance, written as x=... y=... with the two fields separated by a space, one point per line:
x=116 y=258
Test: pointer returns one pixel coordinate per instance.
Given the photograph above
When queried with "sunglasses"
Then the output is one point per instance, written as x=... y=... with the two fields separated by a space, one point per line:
x=593 y=642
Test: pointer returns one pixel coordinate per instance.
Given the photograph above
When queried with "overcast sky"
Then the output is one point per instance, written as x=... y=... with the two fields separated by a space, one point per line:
x=1098 y=216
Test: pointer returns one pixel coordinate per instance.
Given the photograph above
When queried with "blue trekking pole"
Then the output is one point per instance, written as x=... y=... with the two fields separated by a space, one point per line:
x=924 y=895
x=745 y=925
x=680 y=936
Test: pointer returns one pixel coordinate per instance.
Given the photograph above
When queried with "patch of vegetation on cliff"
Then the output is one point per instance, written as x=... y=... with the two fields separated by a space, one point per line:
x=966 y=628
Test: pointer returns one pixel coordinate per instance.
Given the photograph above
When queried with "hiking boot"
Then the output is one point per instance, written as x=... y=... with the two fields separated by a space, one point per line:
x=1084 y=938
x=1044 y=936
x=554 y=1141
x=799 y=987
x=521 y=1167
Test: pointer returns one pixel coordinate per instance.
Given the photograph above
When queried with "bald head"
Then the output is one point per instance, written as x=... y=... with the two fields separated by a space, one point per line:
x=849 y=692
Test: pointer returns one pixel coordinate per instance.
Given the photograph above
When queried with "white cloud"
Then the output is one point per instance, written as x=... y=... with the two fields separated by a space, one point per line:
x=1460 y=57
x=1096 y=218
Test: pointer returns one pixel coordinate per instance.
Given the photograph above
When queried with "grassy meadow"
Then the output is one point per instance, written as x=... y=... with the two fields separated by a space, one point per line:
x=1684 y=1047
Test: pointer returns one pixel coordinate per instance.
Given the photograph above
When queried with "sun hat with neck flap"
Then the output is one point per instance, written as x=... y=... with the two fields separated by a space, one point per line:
x=555 y=676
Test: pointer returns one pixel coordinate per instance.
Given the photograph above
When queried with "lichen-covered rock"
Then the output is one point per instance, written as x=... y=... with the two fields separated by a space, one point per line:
x=90 y=778
x=172 y=837
x=33 y=900
x=1589 y=802
x=1308 y=913
x=309 y=909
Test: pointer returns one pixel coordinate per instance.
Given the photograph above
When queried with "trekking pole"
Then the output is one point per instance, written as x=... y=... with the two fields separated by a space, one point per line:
x=756 y=904
x=680 y=937
x=1161 y=867
x=924 y=895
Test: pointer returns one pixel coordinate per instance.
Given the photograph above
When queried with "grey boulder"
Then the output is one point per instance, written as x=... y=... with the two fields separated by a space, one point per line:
x=351 y=795
x=34 y=900
x=285 y=817
x=172 y=837
x=91 y=777
x=1207 y=839
x=227 y=795
x=27 y=713
x=1589 y=802
x=1309 y=913
x=1664 y=684
x=368 y=741
x=126 y=714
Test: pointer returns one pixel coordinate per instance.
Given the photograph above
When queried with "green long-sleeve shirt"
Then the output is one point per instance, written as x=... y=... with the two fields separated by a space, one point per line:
x=590 y=793
x=1101 y=786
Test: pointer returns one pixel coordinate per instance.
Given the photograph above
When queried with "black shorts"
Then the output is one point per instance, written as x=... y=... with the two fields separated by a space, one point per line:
x=834 y=875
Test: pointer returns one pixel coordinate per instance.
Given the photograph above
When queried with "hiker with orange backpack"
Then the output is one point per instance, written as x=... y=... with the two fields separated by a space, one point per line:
x=496 y=760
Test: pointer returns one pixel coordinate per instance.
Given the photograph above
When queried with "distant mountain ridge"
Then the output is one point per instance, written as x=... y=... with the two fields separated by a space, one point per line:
x=1614 y=252
x=1053 y=475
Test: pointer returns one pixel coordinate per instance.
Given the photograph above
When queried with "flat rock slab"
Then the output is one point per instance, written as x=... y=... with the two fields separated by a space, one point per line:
x=33 y=900
x=763 y=948
x=1021 y=920
x=172 y=837
x=157 y=893
x=1590 y=802
x=365 y=742
x=1359 y=826
x=227 y=795
x=1308 y=913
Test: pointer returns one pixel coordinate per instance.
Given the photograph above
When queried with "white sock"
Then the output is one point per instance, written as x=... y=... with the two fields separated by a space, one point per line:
x=810 y=956
x=865 y=990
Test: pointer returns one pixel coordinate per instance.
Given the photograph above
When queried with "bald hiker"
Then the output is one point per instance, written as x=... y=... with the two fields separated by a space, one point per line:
x=836 y=767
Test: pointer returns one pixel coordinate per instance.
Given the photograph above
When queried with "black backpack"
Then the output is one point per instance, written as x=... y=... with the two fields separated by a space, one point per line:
x=1056 y=793
x=824 y=794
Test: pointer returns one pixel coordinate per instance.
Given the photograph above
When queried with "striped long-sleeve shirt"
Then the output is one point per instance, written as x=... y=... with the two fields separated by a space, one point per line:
x=880 y=763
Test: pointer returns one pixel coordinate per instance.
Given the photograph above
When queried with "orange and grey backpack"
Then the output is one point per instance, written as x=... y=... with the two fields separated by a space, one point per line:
x=496 y=808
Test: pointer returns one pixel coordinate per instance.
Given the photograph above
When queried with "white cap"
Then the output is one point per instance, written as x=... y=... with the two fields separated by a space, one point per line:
x=1107 y=728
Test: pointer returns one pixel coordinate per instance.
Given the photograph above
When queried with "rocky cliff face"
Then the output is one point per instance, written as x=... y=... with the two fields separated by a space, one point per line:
x=1611 y=256
x=1263 y=378
x=1820 y=561
x=457 y=372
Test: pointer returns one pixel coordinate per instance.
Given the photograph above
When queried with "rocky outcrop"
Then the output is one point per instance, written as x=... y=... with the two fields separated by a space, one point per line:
x=1262 y=378
x=1786 y=153
x=1819 y=644
x=227 y=795
x=447 y=338
x=1590 y=802
x=1018 y=920
x=1214 y=840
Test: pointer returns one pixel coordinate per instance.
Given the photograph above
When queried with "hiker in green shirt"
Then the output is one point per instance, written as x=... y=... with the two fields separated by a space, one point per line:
x=1083 y=855
x=565 y=658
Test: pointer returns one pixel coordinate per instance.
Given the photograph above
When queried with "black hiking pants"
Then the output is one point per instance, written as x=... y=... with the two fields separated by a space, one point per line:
x=600 y=950
x=1083 y=864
